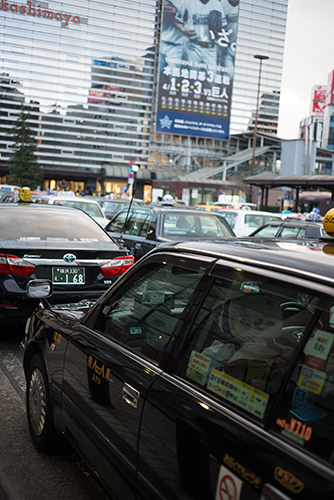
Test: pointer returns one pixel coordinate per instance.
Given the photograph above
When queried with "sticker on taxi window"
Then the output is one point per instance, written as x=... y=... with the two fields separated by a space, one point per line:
x=153 y=297
x=311 y=380
x=330 y=363
x=198 y=367
x=317 y=349
x=295 y=430
x=228 y=485
x=299 y=398
x=135 y=330
x=242 y=395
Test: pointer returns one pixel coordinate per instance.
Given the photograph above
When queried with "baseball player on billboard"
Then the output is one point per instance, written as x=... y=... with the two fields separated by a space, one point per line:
x=226 y=45
x=201 y=21
x=171 y=45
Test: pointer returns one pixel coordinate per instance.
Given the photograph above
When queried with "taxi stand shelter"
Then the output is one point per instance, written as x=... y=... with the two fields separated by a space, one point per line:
x=297 y=182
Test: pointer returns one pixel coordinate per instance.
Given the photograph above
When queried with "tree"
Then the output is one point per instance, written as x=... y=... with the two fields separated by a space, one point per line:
x=23 y=166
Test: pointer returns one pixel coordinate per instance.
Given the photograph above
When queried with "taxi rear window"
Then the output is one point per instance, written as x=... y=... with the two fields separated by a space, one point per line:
x=182 y=225
x=48 y=225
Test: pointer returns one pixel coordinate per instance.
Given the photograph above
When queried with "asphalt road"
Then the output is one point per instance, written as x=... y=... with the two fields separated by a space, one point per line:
x=25 y=473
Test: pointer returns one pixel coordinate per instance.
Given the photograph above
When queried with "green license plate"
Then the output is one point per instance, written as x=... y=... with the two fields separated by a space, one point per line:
x=68 y=275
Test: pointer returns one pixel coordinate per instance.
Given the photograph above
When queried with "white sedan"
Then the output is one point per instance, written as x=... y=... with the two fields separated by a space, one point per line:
x=91 y=207
x=244 y=222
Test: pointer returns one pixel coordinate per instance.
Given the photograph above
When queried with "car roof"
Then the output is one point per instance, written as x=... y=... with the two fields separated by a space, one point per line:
x=76 y=199
x=292 y=223
x=248 y=212
x=177 y=208
x=35 y=206
x=312 y=259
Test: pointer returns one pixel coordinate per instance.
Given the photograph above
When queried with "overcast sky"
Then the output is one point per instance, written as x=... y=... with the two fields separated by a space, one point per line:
x=308 y=59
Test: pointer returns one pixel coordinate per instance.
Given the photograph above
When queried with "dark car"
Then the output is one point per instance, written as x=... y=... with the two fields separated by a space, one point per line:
x=148 y=227
x=205 y=372
x=111 y=207
x=289 y=229
x=58 y=243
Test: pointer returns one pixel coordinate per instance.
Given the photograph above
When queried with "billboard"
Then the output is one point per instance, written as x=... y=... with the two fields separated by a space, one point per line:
x=196 y=67
x=319 y=93
x=330 y=88
x=318 y=108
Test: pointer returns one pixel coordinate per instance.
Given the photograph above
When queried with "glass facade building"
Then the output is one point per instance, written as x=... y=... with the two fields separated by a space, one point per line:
x=261 y=30
x=86 y=73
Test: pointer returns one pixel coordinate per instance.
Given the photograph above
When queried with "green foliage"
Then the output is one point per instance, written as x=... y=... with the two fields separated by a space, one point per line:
x=23 y=167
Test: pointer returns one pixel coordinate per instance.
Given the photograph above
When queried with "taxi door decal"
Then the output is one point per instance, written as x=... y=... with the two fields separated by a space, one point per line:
x=288 y=480
x=228 y=485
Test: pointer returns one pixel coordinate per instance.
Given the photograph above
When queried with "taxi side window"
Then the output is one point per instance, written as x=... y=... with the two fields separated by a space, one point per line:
x=138 y=224
x=306 y=413
x=289 y=232
x=243 y=340
x=118 y=222
x=144 y=314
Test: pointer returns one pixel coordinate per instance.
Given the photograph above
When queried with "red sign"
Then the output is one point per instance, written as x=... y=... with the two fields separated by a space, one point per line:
x=314 y=362
x=101 y=93
x=318 y=108
x=319 y=93
x=31 y=10
x=132 y=162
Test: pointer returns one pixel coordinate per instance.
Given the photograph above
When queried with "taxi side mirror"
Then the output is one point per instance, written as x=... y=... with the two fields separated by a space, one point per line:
x=39 y=289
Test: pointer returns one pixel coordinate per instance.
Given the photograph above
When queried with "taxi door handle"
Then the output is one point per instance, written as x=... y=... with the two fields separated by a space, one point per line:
x=130 y=395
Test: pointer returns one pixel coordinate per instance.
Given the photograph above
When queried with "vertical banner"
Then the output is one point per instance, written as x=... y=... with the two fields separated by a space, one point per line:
x=196 y=67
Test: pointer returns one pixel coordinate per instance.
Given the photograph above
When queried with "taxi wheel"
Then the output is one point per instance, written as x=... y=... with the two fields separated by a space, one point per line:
x=39 y=411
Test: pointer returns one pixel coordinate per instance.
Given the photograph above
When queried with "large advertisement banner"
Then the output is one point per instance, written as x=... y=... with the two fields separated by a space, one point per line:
x=196 y=67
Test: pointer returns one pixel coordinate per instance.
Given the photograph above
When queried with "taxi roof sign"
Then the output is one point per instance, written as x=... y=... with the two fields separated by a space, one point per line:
x=328 y=222
x=25 y=195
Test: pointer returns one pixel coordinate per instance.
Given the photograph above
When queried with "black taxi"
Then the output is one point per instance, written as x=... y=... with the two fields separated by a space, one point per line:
x=205 y=372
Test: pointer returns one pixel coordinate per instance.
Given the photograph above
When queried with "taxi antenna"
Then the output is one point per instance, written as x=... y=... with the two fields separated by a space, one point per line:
x=121 y=241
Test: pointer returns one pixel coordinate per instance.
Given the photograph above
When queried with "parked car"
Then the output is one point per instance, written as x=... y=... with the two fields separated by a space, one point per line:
x=8 y=195
x=58 y=243
x=90 y=206
x=111 y=207
x=236 y=205
x=244 y=222
x=290 y=229
x=205 y=372
x=147 y=227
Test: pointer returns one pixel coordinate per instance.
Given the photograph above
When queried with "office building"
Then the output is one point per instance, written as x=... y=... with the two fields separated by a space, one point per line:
x=261 y=30
x=86 y=72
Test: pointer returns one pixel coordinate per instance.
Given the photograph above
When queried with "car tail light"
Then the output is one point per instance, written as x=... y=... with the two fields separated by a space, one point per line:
x=11 y=264
x=4 y=269
x=117 y=266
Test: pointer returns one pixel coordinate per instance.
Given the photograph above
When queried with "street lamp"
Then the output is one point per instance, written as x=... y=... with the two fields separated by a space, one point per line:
x=261 y=58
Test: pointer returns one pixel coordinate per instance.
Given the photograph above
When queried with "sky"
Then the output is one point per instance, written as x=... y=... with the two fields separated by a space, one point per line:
x=308 y=59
